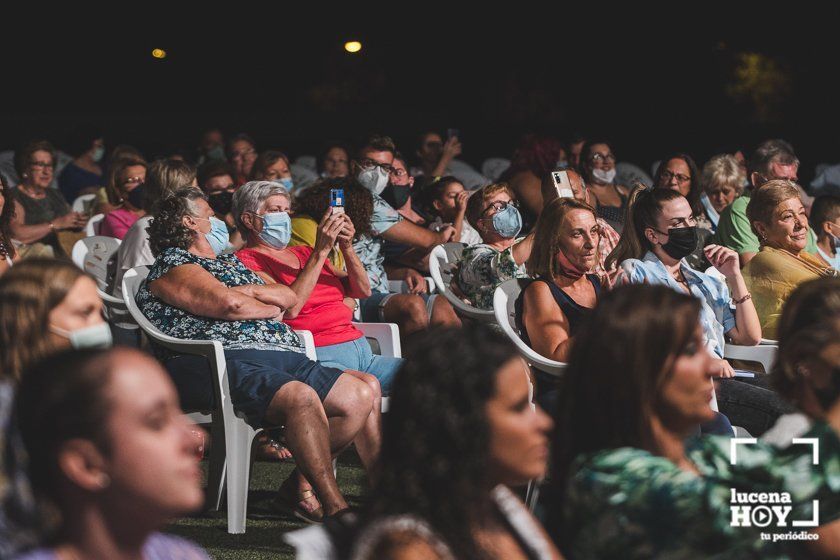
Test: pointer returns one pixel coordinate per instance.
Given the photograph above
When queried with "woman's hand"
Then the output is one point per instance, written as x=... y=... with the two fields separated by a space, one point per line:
x=723 y=369
x=452 y=148
x=461 y=202
x=328 y=231
x=347 y=234
x=723 y=259
x=415 y=282
x=71 y=220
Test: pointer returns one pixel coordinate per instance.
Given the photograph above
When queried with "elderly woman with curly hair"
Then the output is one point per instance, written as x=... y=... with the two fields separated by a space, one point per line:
x=262 y=210
x=7 y=248
x=194 y=292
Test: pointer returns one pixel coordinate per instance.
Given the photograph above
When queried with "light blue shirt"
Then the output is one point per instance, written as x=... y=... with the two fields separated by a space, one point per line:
x=832 y=262
x=716 y=314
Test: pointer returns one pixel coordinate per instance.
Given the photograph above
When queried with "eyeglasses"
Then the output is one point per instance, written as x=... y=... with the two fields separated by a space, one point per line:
x=500 y=205
x=368 y=163
x=667 y=176
x=599 y=157
x=42 y=164
x=133 y=181
x=243 y=153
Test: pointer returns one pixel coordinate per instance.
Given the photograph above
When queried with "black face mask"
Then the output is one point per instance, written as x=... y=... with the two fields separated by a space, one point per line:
x=681 y=242
x=221 y=202
x=396 y=195
x=136 y=196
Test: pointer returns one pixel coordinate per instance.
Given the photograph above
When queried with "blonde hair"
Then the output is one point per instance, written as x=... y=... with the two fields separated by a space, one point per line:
x=543 y=262
x=766 y=198
x=475 y=203
x=28 y=293
x=723 y=170
x=113 y=188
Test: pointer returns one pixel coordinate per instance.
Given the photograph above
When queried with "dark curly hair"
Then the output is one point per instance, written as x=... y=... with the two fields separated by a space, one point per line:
x=6 y=216
x=358 y=202
x=434 y=462
x=166 y=229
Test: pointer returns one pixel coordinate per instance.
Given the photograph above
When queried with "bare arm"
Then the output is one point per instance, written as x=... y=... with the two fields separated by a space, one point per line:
x=271 y=293
x=522 y=250
x=747 y=329
x=408 y=233
x=546 y=323
x=193 y=289
x=357 y=279
x=35 y=232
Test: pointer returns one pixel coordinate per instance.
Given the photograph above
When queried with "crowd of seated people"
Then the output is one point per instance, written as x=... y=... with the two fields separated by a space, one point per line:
x=635 y=286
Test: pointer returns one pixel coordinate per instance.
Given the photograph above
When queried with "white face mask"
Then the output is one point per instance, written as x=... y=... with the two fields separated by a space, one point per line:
x=375 y=180
x=602 y=176
x=96 y=336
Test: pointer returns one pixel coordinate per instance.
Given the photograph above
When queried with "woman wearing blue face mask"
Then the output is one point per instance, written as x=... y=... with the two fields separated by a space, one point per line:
x=262 y=213
x=84 y=174
x=273 y=165
x=193 y=292
x=46 y=306
x=501 y=256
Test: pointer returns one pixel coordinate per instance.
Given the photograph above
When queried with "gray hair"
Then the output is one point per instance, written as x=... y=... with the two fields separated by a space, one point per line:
x=772 y=151
x=250 y=196
x=723 y=170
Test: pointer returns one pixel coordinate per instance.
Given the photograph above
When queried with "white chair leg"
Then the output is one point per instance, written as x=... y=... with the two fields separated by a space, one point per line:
x=216 y=470
x=238 y=439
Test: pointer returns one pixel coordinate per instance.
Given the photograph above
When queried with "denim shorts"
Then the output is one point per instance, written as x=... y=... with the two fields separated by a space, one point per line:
x=254 y=377
x=357 y=355
x=373 y=308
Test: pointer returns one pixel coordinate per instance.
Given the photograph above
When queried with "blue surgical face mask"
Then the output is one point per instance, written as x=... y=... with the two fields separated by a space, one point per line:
x=96 y=336
x=286 y=182
x=218 y=236
x=507 y=222
x=277 y=229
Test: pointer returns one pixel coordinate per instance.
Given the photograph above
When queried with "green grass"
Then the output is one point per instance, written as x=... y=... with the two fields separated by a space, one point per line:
x=265 y=527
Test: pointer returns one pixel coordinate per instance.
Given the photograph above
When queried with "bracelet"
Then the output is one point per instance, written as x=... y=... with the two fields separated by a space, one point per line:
x=743 y=299
x=52 y=227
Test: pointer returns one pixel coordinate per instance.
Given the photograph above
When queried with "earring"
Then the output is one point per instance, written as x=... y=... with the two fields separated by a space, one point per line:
x=25 y=175
x=104 y=481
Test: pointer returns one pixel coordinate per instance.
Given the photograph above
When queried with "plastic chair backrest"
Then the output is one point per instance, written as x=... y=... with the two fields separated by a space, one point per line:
x=504 y=307
x=93 y=225
x=492 y=168
x=443 y=262
x=93 y=255
x=83 y=202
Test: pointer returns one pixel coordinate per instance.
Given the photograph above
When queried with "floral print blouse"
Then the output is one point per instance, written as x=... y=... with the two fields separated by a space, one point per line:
x=482 y=268
x=258 y=334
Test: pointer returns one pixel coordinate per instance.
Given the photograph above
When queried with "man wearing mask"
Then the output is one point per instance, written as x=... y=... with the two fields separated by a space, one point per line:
x=773 y=159
x=372 y=167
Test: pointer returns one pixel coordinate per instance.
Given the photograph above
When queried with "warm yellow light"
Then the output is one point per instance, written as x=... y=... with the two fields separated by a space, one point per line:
x=159 y=53
x=352 y=46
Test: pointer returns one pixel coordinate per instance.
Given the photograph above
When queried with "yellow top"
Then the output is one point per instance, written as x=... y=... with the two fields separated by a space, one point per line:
x=304 y=232
x=772 y=275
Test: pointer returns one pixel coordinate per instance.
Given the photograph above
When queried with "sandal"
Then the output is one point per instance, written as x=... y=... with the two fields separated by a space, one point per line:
x=269 y=449
x=290 y=500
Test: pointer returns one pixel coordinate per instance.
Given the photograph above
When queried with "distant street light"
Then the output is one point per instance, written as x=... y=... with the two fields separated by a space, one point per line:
x=159 y=53
x=352 y=46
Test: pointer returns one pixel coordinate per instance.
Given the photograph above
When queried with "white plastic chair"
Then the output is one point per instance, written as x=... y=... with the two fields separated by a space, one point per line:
x=93 y=255
x=442 y=262
x=232 y=436
x=93 y=225
x=765 y=354
x=504 y=300
x=83 y=202
x=492 y=168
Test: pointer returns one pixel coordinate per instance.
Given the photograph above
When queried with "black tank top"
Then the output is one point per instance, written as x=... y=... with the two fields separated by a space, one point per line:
x=574 y=312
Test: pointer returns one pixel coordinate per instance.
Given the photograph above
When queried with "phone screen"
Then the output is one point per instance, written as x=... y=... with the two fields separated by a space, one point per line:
x=337 y=200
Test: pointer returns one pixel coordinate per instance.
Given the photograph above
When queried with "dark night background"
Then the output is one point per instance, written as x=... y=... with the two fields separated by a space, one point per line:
x=697 y=77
